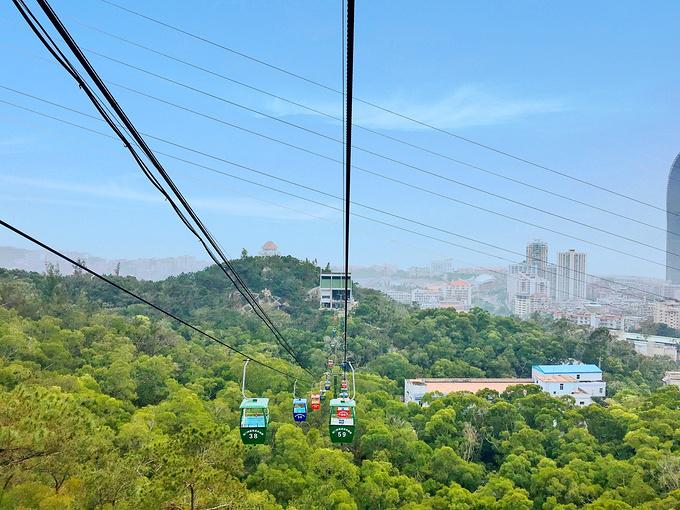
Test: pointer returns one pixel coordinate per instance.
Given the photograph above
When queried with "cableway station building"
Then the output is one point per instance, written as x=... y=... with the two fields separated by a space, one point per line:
x=332 y=291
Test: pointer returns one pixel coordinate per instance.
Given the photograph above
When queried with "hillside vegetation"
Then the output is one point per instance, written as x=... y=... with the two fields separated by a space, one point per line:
x=106 y=404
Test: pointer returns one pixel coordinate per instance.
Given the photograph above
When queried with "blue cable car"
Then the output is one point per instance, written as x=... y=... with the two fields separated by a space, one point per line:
x=300 y=409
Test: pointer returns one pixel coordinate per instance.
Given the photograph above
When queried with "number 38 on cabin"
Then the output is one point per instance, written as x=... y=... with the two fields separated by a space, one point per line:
x=254 y=420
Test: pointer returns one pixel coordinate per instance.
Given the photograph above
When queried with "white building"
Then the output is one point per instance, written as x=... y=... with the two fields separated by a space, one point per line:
x=668 y=313
x=400 y=296
x=571 y=276
x=528 y=289
x=650 y=345
x=332 y=291
x=672 y=378
x=438 y=267
x=426 y=298
x=583 y=382
x=521 y=306
x=459 y=291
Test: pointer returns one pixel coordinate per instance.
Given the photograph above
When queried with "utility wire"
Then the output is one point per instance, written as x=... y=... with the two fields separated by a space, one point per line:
x=385 y=109
x=49 y=44
x=402 y=182
x=130 y=128
x=390 y=159
x=348 y=158
x=329 y=195
x=372 y=131
x=140 y=298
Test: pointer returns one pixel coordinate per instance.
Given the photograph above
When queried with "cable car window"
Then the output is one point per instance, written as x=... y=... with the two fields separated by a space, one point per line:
x=253 y=418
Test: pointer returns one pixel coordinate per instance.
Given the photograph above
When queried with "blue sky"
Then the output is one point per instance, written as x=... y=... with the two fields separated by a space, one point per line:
x=590 y=89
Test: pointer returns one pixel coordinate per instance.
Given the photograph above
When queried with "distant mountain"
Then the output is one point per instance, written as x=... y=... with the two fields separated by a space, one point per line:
x=144 y=269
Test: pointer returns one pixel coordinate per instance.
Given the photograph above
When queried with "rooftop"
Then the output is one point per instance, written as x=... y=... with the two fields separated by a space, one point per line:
x=472 y=385
x=556 y=378
x=254 y=403
x=567 y=369
x=343 y=402
x=460 y=283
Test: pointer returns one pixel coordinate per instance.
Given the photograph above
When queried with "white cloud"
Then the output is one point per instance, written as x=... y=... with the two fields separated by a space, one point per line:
x=239 y=206
x=464 y=107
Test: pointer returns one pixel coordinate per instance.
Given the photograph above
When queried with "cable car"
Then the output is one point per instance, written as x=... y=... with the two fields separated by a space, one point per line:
x=254 y=415
x=341 y=423
x=316 y=402
x=330 y=363
x=300 y=409
x=342 y=416
x=327 y=386
x=254 y=420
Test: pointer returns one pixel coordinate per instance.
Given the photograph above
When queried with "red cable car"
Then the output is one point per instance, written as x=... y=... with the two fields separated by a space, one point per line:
x=316 y=402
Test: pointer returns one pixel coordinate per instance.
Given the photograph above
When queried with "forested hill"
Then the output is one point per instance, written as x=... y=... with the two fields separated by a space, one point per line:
x=106 y=404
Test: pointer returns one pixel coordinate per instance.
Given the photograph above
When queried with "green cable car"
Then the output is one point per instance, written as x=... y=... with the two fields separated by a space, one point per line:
x=342 y=418
x=254 y=415
x=254 y=420
x=341 y=423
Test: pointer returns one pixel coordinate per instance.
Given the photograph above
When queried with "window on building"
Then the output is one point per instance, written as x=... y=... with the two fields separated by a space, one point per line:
x=580 y=402
x=561 y=386
x=601 y=390
x=578 y=376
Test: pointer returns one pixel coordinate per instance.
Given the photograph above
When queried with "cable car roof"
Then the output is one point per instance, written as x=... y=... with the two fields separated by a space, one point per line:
x=343 y=402
x=299 y=401
x=254 y=403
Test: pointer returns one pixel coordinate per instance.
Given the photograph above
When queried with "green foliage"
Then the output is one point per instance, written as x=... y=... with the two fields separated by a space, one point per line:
x=104 y=404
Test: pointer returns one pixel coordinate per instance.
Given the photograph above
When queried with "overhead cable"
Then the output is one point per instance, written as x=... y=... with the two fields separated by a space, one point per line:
x=140 y=298
x=121 y=117
x=391 y=111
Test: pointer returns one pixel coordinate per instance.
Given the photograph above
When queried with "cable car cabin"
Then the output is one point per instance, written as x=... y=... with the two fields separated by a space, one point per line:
x=299 y=409
x=330 y=363
x=341 y=424
x=254 y=420
x=316 y=402
x=327 y=386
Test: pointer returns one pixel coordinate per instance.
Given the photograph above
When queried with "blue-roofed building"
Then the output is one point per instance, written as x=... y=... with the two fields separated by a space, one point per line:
x=581 y=381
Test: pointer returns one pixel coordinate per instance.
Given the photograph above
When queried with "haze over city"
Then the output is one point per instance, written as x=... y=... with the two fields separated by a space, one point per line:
x=596 y=99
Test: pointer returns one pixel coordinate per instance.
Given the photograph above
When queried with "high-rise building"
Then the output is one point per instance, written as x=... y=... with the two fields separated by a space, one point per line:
x=537 y=257
x=668 y=313
x=571 y=276
x=673 y=223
